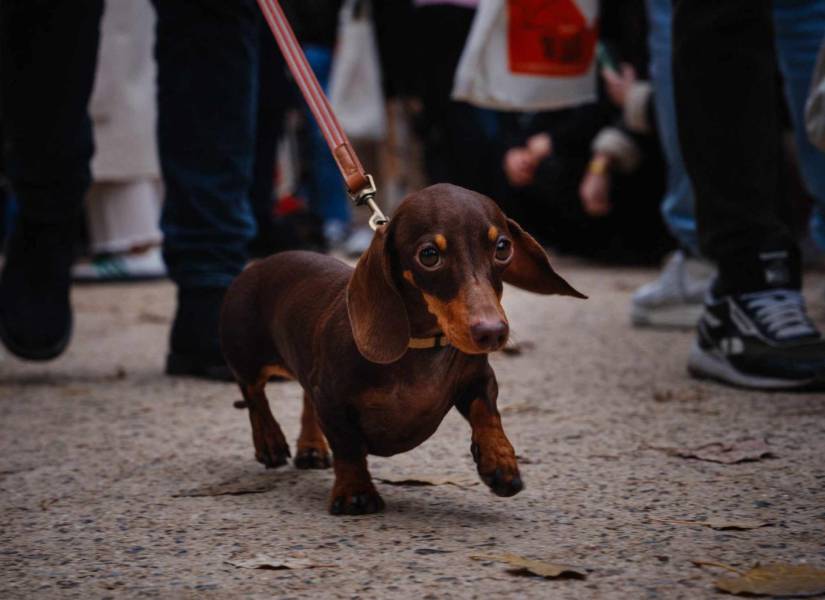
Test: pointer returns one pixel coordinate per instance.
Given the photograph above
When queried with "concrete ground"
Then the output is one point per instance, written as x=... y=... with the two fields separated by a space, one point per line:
x=108 y=471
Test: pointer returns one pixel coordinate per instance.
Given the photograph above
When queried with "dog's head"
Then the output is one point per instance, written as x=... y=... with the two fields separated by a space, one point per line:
x=454 y=247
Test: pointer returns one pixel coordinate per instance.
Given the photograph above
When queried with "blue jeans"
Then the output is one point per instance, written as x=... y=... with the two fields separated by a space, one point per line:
x=799 y=27
x=327 y=196
x=207 y=87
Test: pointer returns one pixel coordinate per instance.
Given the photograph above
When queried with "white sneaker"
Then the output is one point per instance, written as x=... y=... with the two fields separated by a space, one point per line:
x=126 y=266
x=675 y=298
x=358 y=242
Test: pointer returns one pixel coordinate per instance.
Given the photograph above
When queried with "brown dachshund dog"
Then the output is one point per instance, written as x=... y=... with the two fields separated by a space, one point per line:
x=385 y=350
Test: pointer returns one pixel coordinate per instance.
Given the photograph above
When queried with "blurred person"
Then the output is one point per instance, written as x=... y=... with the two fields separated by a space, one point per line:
x=676 y=297
x=457 y=137
x=207 y=62
x=315 y=23
x=123 y=203
x=587 y=183
x=755 y=330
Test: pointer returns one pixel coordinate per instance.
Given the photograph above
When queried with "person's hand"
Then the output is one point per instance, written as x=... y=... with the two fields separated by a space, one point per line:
x=520 y=166
x=618 y=85
x=594 y=189
x=540 y=146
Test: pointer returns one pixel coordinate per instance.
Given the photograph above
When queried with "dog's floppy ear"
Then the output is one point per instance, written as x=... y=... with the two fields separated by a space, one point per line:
x=530 y=268
x=376 y=312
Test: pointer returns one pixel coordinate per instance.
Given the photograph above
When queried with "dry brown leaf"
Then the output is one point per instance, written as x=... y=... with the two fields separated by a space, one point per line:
x=776 y=580
x=521 y=565
x=234 y=487
x=263 y=561
x=729 y=452
x=518 y=348
x=422 y=479
x=518 y=407
x=679 y=395
x=740 y=524
x=150 y=317
x=719 y=524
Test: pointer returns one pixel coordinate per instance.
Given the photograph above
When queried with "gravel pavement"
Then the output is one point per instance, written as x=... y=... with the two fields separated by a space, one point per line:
x=109 y=471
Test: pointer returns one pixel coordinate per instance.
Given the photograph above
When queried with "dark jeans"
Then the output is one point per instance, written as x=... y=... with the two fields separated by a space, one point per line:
x=207 y=54
x=727 y=104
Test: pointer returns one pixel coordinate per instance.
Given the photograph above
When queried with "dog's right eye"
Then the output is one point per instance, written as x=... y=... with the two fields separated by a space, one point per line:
x=429 y=256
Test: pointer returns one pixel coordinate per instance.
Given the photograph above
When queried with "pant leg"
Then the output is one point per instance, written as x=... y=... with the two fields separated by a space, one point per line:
x=726 y=101
x=207 y=52
x=800 y=29
x=677 y=204
x=48 y=53
x=327 y=197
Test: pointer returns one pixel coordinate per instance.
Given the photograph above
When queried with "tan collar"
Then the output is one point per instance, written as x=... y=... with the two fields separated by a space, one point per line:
x=437 y=341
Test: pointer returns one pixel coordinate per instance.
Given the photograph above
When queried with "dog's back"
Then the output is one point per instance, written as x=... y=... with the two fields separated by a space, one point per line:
x=275 y=302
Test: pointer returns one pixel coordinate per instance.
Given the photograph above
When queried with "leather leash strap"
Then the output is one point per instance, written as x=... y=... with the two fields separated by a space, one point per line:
x=359 y=184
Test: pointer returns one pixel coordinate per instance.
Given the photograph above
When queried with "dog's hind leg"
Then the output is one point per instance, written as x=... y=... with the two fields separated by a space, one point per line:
x=312 y=449
x=271 y=447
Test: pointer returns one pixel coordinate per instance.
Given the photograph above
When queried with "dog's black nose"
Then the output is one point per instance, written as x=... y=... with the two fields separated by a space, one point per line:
x=489 y=335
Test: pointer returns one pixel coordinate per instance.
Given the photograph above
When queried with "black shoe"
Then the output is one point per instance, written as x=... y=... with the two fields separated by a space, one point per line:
x=194 y=344
x=761 y=340
x=35 y=312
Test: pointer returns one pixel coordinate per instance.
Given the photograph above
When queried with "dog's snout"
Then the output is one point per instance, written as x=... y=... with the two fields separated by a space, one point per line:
x=490 y=335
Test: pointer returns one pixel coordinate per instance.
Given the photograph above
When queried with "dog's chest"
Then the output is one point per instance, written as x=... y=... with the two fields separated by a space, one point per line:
x=402 y=417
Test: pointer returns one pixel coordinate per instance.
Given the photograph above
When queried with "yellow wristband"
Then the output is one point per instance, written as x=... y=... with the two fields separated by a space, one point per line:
x=598 y=166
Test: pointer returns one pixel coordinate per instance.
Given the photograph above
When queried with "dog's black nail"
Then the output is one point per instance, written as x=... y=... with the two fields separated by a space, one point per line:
x=337 y=506
x=517 y=484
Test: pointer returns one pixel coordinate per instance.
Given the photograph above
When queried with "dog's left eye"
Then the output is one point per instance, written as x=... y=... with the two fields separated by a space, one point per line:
x=504 y=249
x=429 y=256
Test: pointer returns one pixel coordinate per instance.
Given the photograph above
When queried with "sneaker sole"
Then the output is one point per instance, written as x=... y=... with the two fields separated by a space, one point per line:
x=36 y=354
x=682 y=316
x=705 y=365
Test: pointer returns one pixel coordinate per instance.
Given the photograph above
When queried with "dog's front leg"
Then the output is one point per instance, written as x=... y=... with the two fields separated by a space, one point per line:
x=491 y=450
x=353 y=492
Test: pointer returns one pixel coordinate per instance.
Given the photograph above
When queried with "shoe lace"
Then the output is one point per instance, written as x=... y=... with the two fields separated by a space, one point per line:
x=781 y=313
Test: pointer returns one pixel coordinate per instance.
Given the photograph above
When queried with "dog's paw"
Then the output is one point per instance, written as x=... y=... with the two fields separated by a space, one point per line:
x=499 y=473
x=312 y=458
x=356 y=504
x=273 y=456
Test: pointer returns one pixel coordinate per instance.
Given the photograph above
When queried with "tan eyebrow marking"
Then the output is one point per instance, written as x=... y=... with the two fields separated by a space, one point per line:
x=409 y=277
x=441 y=242
x=492 y=233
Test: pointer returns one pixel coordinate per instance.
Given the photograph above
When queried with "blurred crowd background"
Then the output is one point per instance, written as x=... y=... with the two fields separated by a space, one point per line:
x=587 y=180
x=536 y=165
x=601 y=180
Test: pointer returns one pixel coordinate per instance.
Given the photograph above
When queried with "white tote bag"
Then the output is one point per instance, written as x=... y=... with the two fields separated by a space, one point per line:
x=529 y=55
x=355 y=81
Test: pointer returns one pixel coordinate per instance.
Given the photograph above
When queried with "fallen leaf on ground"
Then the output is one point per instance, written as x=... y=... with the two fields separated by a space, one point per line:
x=419 y=479
x=263 y=561
x=680 y=395
x=730 y=452
x=518 y=407
x=521 y=566
x=149 y=317
x=777 y=579
x=718 y=523
x=518 y=348
x=235 y=487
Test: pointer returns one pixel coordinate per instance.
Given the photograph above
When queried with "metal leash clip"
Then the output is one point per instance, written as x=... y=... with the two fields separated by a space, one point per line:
x=367 y=196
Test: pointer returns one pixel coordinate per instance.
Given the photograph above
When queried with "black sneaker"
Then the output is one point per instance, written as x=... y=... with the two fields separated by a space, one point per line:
x=194 y=346
x=761 y=340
